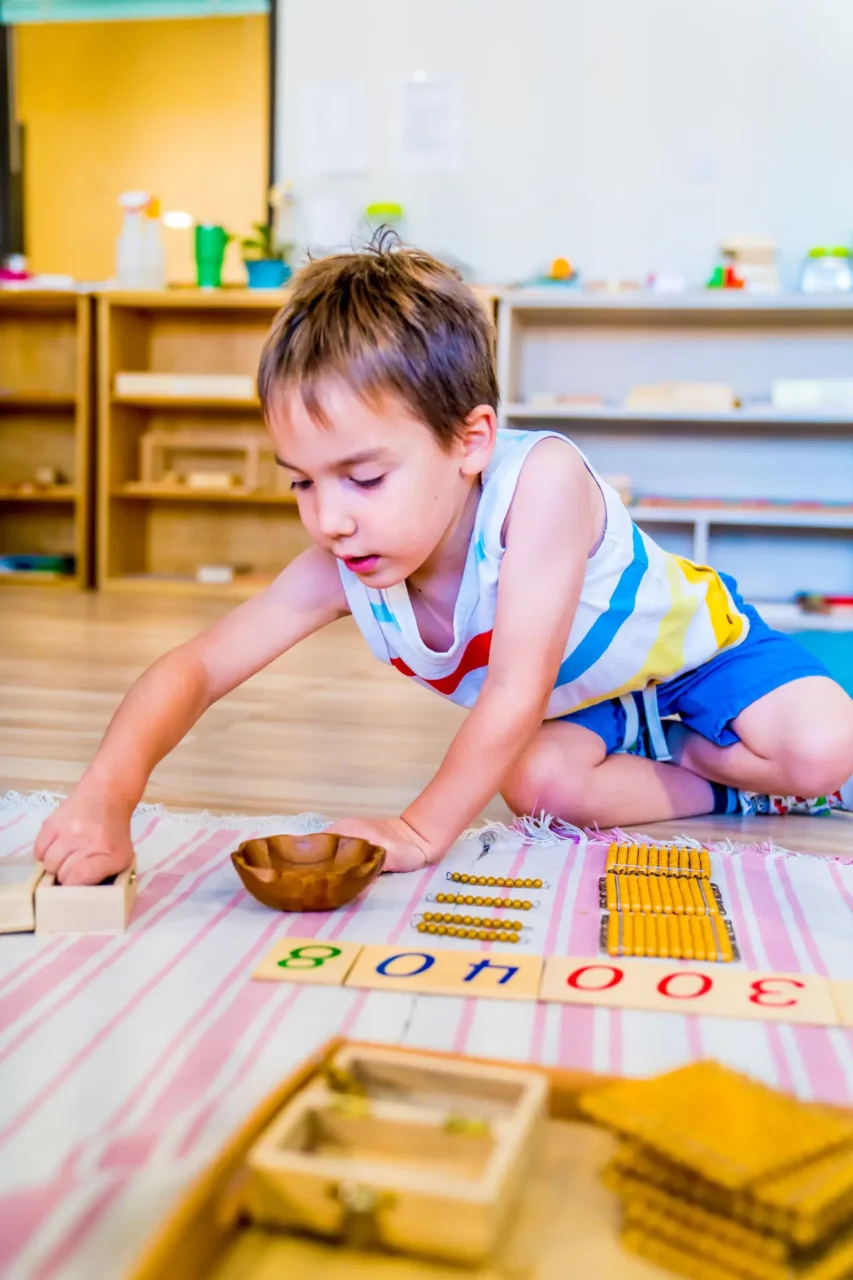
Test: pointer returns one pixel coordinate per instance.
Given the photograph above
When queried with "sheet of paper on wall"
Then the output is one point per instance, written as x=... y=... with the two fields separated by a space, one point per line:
x=331 y=223
x=334 y=129
x=430 y=126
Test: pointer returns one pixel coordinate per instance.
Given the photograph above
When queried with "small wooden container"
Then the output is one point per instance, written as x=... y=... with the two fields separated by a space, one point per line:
x=89 y=908
x=307 y=873
x=399 y=1151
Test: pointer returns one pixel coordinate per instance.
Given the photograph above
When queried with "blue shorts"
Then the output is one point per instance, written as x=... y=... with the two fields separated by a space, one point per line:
x=710 y=698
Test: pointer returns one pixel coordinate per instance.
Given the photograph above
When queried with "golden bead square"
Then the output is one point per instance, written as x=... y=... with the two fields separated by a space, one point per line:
x=497 y=975
x=318 y=961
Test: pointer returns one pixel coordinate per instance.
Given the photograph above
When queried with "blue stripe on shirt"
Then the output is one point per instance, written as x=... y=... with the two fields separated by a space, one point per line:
x=602 y=632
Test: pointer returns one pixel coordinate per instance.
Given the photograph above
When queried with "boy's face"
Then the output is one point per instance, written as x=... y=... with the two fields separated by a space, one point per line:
x=373 y=484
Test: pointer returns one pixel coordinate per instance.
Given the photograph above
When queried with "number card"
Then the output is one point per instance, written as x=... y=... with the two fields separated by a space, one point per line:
x=495 y=975
x=680 y=988
x=842 y=995
x=308 y=960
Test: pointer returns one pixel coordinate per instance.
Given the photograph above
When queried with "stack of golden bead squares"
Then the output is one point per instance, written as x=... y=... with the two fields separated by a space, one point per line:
x=477 y=927
x=658 y=900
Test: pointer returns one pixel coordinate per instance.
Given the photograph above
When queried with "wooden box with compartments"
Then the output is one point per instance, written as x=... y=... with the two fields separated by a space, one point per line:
x=387 y=1145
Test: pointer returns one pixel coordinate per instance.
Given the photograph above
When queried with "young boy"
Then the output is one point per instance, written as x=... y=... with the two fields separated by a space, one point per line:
x=494 y=567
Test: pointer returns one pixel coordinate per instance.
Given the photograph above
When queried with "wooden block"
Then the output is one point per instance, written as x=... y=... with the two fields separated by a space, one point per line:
x=18 y=880
x=842 y=997
x=220 y=386
x=311 y=960
x=493 y=975
x=699 y=989
x=90 y=908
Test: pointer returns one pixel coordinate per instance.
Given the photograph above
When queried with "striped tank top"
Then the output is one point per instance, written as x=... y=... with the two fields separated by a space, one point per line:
x=644 y=616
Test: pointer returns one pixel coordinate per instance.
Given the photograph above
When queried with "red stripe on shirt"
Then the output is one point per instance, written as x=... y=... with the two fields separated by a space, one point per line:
x=476 y=655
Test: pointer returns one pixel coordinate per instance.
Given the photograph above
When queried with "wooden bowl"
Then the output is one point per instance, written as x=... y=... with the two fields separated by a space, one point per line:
x=307 y=873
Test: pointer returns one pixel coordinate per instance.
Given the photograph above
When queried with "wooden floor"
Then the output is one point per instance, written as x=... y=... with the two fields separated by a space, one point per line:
x=326 y=728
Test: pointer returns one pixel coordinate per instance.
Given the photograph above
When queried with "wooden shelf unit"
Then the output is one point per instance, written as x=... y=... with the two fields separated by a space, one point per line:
x=46 y=421
x=567 y=343
x=154 y=536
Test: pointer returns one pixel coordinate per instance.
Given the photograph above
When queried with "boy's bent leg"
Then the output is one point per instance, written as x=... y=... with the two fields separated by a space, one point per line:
x=796 y=740
x=567 y=773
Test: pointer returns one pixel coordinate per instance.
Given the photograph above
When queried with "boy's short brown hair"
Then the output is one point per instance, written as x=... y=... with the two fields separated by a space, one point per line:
x=390 y=319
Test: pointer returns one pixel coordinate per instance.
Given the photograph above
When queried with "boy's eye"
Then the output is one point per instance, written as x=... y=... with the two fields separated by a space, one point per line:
x=368 y=484
x=300 y=484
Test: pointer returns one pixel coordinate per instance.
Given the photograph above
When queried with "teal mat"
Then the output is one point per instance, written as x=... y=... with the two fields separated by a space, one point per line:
x=835 y=649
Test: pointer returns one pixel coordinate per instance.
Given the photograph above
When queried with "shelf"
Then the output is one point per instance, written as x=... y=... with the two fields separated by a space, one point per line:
x=709 y=301
x=618 y=415
x=777 y=516
x=785 y=616
x=70 y=581
x=217 y=404
x=25 y=401
x=172 y=493
x=191 y=299
x=244 y=585
x=58 y=493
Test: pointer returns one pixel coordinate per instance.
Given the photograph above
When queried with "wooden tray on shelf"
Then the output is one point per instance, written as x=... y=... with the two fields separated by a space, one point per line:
x=563 y=1222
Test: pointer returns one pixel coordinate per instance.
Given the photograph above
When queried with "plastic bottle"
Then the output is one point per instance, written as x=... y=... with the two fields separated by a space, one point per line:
x=155 y=250
x=131 y=249
x=827 y=270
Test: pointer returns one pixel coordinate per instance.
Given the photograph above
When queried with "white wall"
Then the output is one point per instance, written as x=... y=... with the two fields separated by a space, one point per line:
x=625 y=134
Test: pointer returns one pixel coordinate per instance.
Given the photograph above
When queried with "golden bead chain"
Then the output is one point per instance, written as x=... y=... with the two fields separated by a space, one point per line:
x=469 y=900
x=478 y=922
x=480 y=935
x=505 y=882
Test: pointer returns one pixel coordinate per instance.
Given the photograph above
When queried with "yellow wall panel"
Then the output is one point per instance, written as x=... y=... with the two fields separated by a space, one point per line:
x=178 y=108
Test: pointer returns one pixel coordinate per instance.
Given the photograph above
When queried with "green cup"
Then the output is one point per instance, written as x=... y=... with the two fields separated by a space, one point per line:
x=210 y=245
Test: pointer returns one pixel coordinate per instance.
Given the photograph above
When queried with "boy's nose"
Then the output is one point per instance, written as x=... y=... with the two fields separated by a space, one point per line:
x=333 y=520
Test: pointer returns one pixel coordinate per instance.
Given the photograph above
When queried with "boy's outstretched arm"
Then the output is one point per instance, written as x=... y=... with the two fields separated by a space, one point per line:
x=88 y=837
x=556 y=518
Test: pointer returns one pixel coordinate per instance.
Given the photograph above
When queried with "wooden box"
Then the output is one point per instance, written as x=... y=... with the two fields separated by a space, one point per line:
x=18 y=880
x=394 y=1145
x=98 y=908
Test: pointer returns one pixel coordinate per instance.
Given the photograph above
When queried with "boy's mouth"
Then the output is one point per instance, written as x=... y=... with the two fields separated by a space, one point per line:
x=361 y=564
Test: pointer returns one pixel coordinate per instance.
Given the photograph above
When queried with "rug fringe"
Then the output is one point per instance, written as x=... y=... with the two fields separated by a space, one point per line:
x=295 y=824
x=542 y=830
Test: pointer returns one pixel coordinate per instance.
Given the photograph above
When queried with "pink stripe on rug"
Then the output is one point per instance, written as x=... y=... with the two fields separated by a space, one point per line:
x=193 y=1135
x=577 y=1023
x=77 y=1059
x=69 y=1242
x=469 y=1007
x=4 y=826
x=800 y=918
x=537 y=1036
x=731 y=898
x=838 y=880
x=78 y=952
x=24 y=1209
x=825 y=1073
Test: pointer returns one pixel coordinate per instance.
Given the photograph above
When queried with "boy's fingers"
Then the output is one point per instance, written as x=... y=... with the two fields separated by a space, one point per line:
x=43 y=841
x=408 y=859
x=91 y=869
x=62 y=848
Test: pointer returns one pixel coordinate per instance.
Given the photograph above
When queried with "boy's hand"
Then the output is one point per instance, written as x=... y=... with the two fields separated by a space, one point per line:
x=404 y=849
x=86 y=839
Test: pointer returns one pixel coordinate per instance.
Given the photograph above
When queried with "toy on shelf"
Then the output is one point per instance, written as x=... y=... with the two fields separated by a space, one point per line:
x=307 y=873
x=207 y=459
x=725 y=277
x=807 y=395
x=189 y=386
x=564 y=400
x=682 y=397
x=615 y=286
x=751 y=262
x=560 y=272
x=47 y=566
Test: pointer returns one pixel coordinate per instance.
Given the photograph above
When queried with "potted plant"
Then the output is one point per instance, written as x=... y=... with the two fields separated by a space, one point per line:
x=265 y=257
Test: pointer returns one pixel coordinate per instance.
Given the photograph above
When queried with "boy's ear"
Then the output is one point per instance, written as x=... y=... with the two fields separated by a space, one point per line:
x=478 y=439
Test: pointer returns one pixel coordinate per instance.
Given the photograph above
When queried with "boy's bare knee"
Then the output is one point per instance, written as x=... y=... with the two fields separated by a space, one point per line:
x=821 y=760
x=541 y=780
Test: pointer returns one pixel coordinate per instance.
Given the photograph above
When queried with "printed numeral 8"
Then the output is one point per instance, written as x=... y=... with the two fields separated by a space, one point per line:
x=299 y=957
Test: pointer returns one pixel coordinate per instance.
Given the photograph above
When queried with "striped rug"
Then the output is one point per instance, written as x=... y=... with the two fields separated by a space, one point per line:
x=126 y=1062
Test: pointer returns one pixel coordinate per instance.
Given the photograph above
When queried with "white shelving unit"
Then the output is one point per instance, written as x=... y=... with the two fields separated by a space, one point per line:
x=564 y=342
